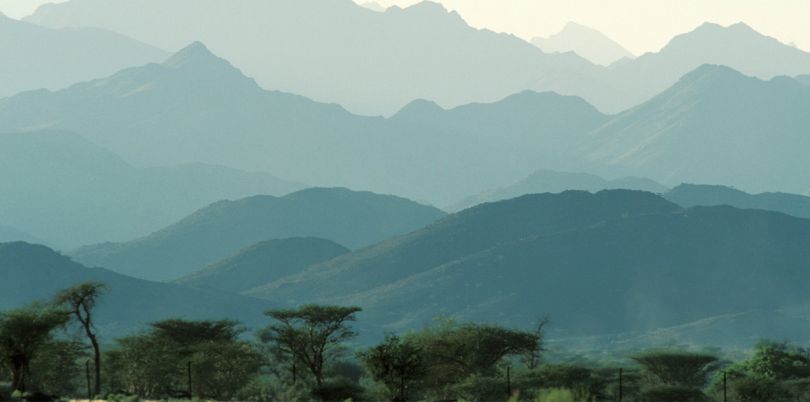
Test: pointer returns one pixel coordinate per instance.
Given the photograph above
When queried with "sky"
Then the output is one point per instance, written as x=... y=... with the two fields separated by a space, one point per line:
x=639 y=25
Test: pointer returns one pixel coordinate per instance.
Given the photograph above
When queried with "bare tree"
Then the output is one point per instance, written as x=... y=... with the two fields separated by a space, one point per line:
x=80 y=301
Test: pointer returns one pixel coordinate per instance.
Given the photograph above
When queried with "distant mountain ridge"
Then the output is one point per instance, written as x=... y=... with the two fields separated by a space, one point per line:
x=37 y=57
x=689 y=195
x=354 y=219
x=144 y=115
x=72 y=192
x=715 y=125
x=586 y=42
x=550 y=181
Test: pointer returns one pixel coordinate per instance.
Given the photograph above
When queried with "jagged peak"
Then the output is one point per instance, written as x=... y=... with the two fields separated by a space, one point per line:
x=194 y=53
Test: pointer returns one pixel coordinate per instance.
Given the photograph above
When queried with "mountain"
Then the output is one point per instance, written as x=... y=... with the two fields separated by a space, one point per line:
x=355 y=219
x=804 y=79
x=264 y=262
x=550 y=181
x=37 y=57
x=643 y=262
x=72 y=192
x=144 y=115
x=373 y=6
x=9 y=234
x=715 y=125
x=689 y=195
x=737 y=46
x=373 y=62
x=586 y=42
x=32 y=272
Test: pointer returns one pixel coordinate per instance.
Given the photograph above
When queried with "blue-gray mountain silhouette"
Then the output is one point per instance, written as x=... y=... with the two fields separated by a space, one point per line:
x=613 y=261
x=11 y=234
x=34 y=272
x=196 y=107
x=586 y=42
x=377 y=62
x=689 y=195
x=353 y=219
x=550 y=181
x=71 y=192
x=264 y=262
x=37 y=57
x=714 y=126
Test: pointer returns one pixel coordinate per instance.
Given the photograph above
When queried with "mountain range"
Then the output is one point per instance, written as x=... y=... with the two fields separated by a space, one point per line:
x=353 y=219
x=689 y=195
x=586 y=42
x=649 y=264
x=34 y=272
x=37 y=57
x=715 y=125
x=437 y=54
x=144 y=115
x=70 y=192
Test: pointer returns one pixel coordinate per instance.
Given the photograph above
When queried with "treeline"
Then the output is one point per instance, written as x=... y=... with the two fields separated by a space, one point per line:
x=306 y=354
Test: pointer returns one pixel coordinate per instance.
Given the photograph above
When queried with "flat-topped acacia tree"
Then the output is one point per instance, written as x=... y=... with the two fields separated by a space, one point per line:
x=310 y=334
x=80 y=301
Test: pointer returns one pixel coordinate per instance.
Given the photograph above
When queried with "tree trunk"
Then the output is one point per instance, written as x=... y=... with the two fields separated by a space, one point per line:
x=97 y=361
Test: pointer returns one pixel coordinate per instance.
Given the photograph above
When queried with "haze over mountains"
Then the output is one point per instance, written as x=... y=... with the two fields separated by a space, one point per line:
x=71 y=192
x=37 y=57
x=353 y=219
x=437 y=55
x=586 y=42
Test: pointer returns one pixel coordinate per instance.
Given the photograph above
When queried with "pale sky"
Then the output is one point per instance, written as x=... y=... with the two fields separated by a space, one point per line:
x=639 y=25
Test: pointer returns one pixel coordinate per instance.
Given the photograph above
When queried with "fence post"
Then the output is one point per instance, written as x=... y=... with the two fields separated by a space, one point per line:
x=621 y=385
x=508 y=382
x=725 y=399
x=189 y=380
x=87 y=377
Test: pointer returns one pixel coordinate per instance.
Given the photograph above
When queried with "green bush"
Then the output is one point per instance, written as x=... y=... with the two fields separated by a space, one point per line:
x=673 y=393
x=556 y=395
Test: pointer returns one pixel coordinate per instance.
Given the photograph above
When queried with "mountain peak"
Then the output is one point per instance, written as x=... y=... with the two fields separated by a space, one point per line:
x=584 y=41
x=419 y=107
x=194 y=53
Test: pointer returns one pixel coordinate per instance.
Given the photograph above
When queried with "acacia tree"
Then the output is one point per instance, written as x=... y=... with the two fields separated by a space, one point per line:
x=311 y=334
x=80 y=301
x=23 y=333
x=395 y=363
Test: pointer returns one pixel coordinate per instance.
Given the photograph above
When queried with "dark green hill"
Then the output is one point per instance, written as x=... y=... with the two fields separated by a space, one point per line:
x=354 y=219
x=32 y=272
x=614 y=261
x=689 y=195
x=263 y=263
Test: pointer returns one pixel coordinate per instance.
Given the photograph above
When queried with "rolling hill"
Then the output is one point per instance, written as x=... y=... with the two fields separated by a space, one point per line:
x=33 y=272
x=37 y=57
x=72 y=192
x=714 y=126
x=264 y=262
x=615 y=261
x=354 y=219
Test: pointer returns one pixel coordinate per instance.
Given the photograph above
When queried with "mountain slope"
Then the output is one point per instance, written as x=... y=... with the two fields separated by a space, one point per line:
x=37 y=273
x=550 y=181
x=10 y=234
x=72 y=192
x=642 y=262
x=37 y=57
x=714 y=126
x=281 y=43
x=145 y=115
x=586 y=42
x=689 y=195
x=355 y=219
x=264 y=262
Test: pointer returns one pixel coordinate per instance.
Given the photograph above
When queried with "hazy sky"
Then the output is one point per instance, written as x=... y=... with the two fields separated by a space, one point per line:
x=639 y=25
